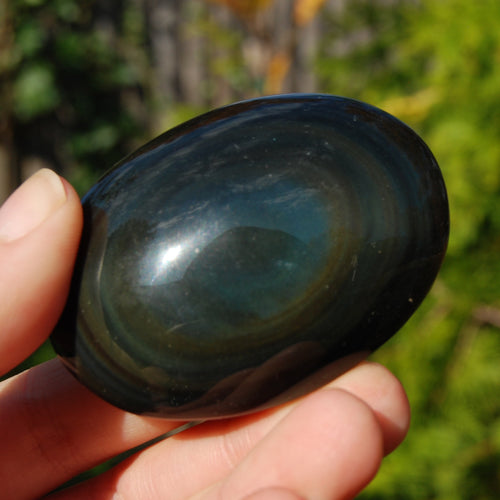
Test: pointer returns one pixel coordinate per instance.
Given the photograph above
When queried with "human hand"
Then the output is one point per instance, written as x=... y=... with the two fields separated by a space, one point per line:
x=327 y=445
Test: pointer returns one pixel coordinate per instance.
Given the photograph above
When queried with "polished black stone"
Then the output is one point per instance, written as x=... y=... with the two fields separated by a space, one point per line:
x=251 y=255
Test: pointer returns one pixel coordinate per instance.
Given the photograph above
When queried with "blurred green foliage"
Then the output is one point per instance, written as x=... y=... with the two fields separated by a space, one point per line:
x=436 y=66
x=61 y=73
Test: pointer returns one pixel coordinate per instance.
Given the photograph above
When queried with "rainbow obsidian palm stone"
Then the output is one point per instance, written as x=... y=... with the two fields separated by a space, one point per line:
x=250 y=255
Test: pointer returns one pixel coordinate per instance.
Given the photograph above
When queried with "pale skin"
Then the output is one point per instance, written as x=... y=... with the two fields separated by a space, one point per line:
x=327 y=445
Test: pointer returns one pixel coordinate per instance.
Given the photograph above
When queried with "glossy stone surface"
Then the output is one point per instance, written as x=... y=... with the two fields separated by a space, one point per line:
x=251 y=255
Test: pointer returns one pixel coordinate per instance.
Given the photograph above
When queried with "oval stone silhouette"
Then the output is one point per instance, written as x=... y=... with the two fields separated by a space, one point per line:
x=251 y=255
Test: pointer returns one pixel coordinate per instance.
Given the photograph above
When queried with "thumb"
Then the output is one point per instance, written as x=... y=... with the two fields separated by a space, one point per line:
x=40 y=227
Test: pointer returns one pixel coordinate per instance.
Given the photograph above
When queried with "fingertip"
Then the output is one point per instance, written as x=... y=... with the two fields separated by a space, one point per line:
x=329 y=446
x=383 y=392
x=352 y=432
x=393 y=411
x=33 y=202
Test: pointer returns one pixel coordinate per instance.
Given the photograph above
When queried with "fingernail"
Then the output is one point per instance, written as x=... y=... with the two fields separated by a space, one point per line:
x=273 y=494
x=31 y=204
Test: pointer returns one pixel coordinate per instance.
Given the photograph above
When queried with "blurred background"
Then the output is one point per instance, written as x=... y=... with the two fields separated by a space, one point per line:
x=84 y=82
